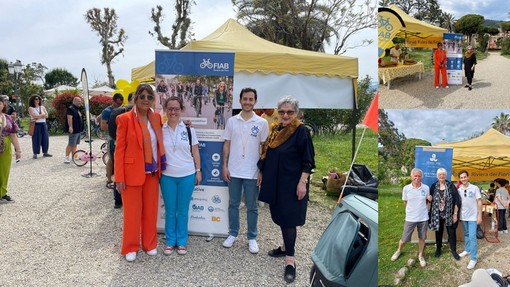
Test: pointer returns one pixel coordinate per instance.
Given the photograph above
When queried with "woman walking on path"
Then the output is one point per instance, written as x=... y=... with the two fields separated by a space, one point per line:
x=40 y=139
x=8 y=130
x=180 y=177
x=139 y=159
x=469 y=66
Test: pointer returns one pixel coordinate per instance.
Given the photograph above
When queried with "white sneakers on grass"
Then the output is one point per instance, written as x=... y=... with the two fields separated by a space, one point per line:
x=463 y=253
x=423 y=263
x=471 y=264
x=229 y=241
x=395 y=255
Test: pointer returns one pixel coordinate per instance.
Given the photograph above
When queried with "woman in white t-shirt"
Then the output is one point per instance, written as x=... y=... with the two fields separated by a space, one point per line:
x=181 y=175
x=40 y=139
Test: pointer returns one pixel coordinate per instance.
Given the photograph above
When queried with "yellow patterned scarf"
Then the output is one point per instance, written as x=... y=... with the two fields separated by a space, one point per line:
x=279 y=135
x=468 y=54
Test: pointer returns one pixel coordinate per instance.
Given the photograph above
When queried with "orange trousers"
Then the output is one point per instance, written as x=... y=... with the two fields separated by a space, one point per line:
x=438 y=70
x=140 y=204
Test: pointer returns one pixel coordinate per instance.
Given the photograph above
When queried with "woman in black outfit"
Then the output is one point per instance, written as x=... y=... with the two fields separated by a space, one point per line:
x=444 y=210
x=286 y=164
x=469 y=66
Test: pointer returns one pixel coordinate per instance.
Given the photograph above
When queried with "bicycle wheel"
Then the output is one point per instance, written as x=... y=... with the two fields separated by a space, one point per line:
x=106 y=157
x=80 y=157
x=311 y=127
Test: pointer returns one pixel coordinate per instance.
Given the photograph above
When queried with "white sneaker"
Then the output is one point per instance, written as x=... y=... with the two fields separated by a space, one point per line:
x=437 y=87
x=423 y=263
x=463 y=253
x=501 y=232
x=168 y=250
x=447 y=87
x=261 y=204
x=152 y=252
x=506 y=231
x=131 y=256
x=229 y=241
x=395 y=255
x=253 y=246
x=67 y=160
x=471 y=264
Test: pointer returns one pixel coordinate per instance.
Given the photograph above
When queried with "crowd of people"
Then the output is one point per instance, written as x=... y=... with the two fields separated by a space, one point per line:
x=444 y=205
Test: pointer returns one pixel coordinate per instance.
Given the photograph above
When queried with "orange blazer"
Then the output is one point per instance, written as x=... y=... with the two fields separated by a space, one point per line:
x=129 y=156
x=439 y=55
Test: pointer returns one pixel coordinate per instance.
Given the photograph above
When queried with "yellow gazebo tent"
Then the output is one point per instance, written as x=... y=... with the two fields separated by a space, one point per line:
x=399 y=24
x=318 y=80
x=485 y=158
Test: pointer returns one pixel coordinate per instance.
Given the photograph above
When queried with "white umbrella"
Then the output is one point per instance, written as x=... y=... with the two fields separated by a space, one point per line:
x=104 y=90
x=61 y=88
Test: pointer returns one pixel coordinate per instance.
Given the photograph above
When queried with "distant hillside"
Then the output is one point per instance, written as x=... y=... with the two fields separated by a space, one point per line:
x=492 y=23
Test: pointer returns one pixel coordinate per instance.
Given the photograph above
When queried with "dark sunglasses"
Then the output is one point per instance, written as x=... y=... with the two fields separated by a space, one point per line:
x=36 y=99
x=289 y=113
x=149 y=97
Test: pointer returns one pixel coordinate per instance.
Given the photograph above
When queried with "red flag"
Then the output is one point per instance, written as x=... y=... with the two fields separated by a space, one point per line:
x=372 y=117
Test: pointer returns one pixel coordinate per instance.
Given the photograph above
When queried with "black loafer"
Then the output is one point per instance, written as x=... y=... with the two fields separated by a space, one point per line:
x=290 y=273
x=277 y=252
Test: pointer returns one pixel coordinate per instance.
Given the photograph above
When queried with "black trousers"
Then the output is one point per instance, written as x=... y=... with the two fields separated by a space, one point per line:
x=501 y=219
x=452 y=236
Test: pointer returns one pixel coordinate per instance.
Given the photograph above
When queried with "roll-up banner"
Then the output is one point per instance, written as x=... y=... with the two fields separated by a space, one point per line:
x=429 y=159
x=453 y=47
x=194 y=77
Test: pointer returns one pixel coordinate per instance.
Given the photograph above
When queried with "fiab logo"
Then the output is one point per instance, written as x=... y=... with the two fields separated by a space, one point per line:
x=207 y=64
x=215 y=218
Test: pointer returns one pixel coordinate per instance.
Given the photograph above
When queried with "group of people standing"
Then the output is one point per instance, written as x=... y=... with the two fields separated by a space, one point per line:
x=150 y=154
x=440 y=61
x=448 y=205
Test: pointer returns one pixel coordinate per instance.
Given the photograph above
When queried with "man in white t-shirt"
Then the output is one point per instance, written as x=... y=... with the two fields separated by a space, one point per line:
x=470 y=216
x=244 y=134
x=415 y=196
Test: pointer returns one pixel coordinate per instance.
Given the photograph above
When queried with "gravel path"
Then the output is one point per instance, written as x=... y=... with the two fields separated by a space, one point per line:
x=491 y=89
x=63 y=231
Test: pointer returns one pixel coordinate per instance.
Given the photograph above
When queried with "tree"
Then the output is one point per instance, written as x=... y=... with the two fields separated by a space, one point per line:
x=307 y=25
x=58 y=77
x=409 y=149
x=501 y=123
x=469 y=24
x=505 y=26
x=425 y=10
x=110 y=37
x=391 y=143
x=180 y=27
x=448 y=21
x=6 y=84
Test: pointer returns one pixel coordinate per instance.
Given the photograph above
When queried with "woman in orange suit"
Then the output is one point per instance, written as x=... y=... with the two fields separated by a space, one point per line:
x=440 y=66
x=139 y=158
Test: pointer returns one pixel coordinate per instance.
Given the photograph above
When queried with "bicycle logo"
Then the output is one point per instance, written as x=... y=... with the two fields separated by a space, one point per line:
x=206 y=64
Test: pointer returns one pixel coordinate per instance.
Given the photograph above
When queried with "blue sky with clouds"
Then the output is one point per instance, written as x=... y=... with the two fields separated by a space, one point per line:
x=438 y=126
x=490 y=9
x=54 y=33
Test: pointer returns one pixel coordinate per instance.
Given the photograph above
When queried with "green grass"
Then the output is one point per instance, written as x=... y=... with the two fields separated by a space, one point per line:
x=425 y=56
x=334 y=152
x=391 y=223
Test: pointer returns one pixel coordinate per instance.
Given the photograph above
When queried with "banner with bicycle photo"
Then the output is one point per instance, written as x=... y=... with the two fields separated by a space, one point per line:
x=204 y=82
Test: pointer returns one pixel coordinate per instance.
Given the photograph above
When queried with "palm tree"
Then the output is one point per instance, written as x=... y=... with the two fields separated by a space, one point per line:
x=501 y=123
x=448 y=21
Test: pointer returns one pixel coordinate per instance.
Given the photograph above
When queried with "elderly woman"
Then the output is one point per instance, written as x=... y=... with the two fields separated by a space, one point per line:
x=8 y=130
x=286 y=163
x=469 y=66
x=139 y=159
x=445 y=207
x=38 y=114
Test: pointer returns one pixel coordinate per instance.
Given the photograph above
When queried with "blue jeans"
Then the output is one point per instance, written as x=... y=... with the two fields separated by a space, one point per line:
x=251 y=194
x=469 y=228
x=176 y=193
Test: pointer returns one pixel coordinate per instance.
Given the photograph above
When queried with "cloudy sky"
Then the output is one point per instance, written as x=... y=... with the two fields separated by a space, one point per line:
x=54 y=33
x=490 y=9
x=438 y=126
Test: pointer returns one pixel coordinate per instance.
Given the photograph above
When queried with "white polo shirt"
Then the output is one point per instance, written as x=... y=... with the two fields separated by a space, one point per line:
x=469 y=196
x=179 y=163
x=416 y=208
x=245 y=140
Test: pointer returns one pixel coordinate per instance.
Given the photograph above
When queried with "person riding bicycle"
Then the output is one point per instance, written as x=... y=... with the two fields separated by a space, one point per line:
x=197 y=97
x=221 y=96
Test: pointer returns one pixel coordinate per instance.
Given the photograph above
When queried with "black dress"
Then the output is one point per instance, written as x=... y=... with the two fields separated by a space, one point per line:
x=468 y=64
x=281 y=172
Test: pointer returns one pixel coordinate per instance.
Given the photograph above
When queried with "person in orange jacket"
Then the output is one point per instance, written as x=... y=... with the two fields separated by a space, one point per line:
x=440 y=66
x=139 y=159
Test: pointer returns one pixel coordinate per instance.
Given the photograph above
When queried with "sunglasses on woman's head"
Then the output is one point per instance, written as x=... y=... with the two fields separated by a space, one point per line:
x=149 y=97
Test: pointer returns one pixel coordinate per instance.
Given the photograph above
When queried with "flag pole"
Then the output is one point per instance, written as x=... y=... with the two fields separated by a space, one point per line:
x=352 y=163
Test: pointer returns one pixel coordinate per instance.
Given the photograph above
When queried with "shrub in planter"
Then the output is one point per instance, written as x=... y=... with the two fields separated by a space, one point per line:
x=60 y=103
x=99 y=103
